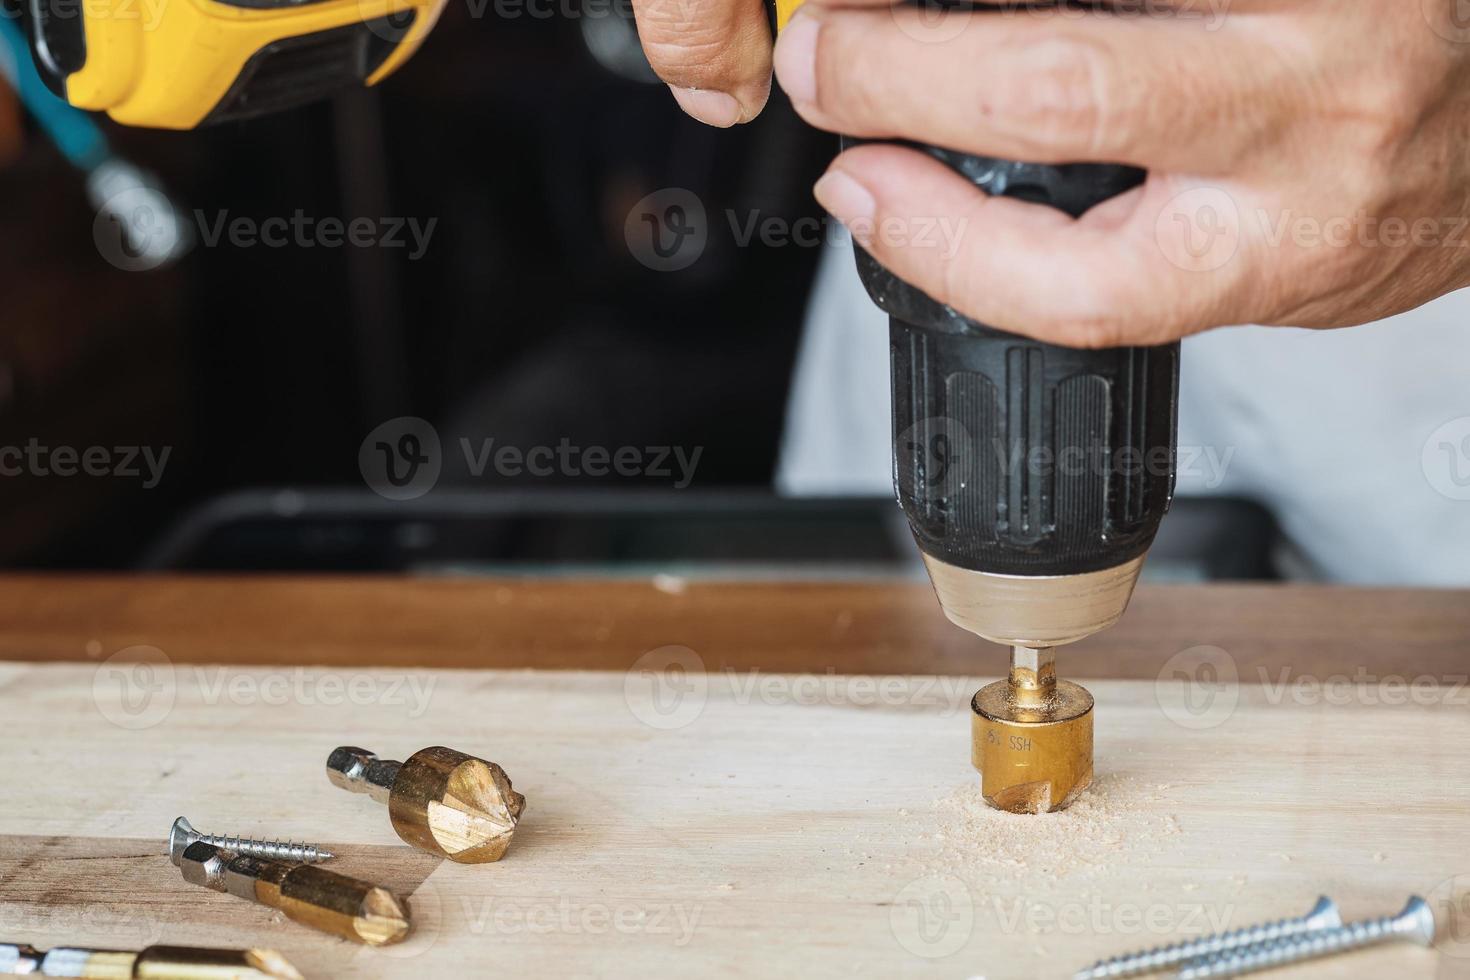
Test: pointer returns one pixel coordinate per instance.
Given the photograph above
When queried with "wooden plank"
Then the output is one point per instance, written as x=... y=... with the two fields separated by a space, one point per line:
x=743 y=825
x=884 y=627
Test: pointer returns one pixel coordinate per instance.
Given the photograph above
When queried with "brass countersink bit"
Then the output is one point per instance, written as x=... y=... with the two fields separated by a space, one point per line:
x=153 y=963
x=441 y=801
x=181 y=835
x=310 y=895
x=1031 y=736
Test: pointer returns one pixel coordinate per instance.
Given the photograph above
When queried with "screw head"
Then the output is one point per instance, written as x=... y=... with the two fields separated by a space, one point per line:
x=1416 y=922
x=1324 y=914
x=180 y=836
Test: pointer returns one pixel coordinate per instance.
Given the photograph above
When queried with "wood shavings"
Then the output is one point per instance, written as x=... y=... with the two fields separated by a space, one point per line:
x=1092 y=836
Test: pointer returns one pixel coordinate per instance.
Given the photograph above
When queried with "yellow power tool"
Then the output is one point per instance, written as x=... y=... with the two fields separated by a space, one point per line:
x=177 y=64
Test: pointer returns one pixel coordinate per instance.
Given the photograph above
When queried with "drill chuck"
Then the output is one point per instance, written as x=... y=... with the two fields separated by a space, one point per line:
x=1034 y=476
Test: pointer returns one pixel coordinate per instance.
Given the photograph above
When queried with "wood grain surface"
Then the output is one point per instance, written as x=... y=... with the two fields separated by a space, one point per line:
x=729 y=823
x=879 y=628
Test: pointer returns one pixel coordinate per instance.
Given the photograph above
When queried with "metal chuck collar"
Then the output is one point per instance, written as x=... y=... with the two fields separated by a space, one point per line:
x=1031 y=736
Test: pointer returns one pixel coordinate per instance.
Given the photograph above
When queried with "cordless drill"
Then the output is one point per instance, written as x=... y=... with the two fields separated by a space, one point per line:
x=1034 y=478
x=177 y=64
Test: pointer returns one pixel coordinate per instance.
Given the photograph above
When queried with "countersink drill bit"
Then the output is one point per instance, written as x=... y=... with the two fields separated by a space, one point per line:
x=1031 y=736
x=181 y=835
x=307 y=894
x=441 y=801
x=153 y=963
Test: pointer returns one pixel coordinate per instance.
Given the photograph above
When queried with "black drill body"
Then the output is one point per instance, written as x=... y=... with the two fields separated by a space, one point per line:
x=1016 y=457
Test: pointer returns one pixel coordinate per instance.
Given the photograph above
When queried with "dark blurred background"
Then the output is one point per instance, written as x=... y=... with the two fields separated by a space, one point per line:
x=527 y=139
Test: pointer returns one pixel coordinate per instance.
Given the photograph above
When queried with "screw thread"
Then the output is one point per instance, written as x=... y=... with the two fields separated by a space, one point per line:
x=291 y=852
x=1160 y=957
x=1292 y=949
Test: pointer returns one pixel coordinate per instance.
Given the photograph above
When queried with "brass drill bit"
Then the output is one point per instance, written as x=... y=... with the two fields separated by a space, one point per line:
x=440 y=800
x=308 y=894
x=1031 y=736
x=153 y=963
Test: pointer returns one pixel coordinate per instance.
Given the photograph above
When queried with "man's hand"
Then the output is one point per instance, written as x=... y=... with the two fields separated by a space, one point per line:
x=1309 y=160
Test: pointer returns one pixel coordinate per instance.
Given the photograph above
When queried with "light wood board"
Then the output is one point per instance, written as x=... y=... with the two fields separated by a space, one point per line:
x=812 y=826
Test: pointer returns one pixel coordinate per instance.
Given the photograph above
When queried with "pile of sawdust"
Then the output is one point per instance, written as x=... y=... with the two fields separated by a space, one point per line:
x=1116 y=815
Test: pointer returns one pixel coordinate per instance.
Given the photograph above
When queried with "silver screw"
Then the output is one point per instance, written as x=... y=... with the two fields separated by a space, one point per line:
x=1324 y=915
x=181 y=835
x=1414 y=924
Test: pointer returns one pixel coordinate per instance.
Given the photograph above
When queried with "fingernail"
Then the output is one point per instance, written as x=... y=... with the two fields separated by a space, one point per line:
x=795 y=59
x=844 y=198
x=708 y=106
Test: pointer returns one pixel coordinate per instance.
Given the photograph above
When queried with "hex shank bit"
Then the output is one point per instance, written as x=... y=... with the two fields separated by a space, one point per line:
x=313 y=896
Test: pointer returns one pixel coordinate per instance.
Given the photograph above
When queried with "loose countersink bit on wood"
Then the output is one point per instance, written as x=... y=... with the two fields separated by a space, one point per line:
x=441 y=801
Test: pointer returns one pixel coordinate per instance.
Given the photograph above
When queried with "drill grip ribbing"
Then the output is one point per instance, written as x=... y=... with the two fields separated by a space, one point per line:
x=1017 y=457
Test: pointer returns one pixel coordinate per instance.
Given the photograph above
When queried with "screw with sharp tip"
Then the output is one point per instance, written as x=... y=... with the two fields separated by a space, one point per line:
x=182 y=834
x=1324 y=915
x=1414 y=924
